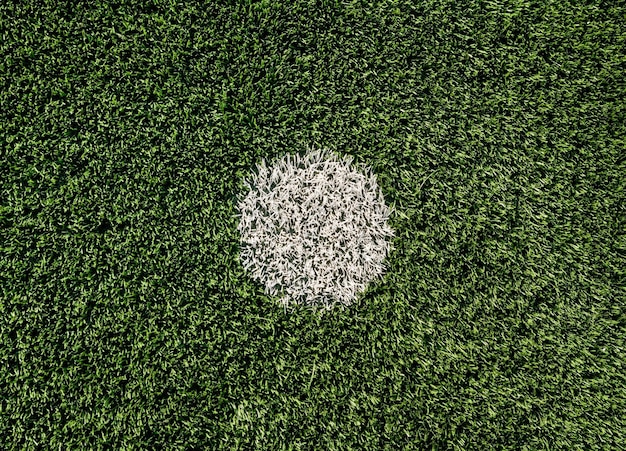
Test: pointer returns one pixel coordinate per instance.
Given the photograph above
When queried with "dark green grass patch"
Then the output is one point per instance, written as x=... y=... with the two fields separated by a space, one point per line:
x=497 y=130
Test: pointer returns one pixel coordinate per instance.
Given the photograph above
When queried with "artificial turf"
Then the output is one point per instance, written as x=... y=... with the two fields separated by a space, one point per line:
x=497 y=131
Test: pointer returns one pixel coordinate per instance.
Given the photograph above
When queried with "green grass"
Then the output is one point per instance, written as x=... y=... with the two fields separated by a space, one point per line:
x=498 y=133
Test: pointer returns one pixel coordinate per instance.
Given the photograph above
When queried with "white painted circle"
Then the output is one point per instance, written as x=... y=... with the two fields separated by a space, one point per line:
x=314 y=229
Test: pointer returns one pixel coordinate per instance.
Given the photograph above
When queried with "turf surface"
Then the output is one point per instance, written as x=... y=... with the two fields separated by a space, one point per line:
x=497 y=130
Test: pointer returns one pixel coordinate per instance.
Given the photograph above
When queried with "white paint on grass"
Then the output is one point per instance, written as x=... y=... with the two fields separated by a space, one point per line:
x=314 y=229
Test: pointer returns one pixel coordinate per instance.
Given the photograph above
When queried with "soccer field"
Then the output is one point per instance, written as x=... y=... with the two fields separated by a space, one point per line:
x=497 y=134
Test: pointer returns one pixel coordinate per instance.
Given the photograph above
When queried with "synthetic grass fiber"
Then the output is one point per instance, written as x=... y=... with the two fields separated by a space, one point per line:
x=314 y=229
x=497 y=132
